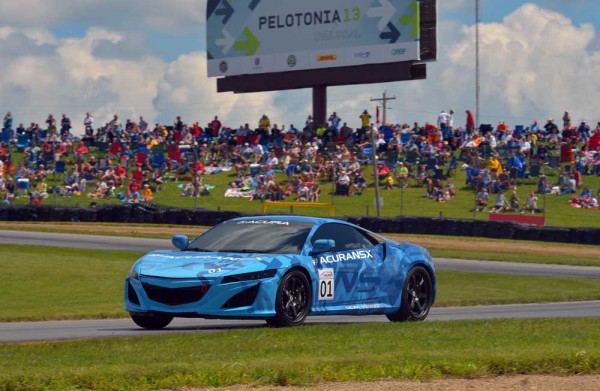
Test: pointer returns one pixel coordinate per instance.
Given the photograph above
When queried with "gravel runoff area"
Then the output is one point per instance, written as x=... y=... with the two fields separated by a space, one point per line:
x=512 y=383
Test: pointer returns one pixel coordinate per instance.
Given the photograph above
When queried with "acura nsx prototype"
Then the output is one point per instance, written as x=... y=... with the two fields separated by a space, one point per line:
x=281 y=269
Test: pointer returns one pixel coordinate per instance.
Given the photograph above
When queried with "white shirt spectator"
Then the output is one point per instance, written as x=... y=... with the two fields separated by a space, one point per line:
x=524 y=146
x=442 y=119
x=272 y=161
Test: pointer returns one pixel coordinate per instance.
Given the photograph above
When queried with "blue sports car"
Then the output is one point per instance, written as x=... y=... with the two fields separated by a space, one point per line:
x=281 y=269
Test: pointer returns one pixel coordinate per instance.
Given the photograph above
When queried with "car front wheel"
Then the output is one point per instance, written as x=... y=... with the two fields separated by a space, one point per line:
x=292 y=303
x=417 y=296
x=152 y=322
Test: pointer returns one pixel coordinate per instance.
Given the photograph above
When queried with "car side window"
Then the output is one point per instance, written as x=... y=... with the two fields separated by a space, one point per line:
x=345 y=237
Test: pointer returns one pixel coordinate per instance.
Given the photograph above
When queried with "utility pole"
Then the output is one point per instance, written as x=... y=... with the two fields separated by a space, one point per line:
x=477 y=22
x=384 y=100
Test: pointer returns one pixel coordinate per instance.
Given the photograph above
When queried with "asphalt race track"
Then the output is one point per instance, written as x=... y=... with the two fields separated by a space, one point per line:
x=57 y=330
x=77 y=329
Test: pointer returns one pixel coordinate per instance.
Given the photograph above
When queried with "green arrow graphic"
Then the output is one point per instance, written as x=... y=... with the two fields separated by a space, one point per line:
x=250 y=45
x=412 y=20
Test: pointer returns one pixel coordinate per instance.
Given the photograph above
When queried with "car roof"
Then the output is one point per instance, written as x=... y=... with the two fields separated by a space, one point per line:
x=299 y=219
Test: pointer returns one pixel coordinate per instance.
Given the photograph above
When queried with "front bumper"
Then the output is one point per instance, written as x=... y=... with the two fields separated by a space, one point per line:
x=201 y=298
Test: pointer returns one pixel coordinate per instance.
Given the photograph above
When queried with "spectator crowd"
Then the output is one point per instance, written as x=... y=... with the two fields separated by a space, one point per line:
x=133 y=160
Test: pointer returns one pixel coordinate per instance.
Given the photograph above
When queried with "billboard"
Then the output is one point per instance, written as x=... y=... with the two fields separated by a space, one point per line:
x=246 y=37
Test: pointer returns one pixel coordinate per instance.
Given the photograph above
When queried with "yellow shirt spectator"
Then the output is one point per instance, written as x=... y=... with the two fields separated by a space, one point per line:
x=494 y=165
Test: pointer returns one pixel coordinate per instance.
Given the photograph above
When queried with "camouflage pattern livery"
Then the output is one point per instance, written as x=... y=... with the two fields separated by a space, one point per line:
x=356 y=281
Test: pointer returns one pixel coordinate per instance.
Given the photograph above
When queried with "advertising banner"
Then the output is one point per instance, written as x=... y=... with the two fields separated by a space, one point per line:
x=264 y=36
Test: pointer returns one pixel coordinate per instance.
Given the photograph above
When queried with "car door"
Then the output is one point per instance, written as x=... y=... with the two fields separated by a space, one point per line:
x=349 y=273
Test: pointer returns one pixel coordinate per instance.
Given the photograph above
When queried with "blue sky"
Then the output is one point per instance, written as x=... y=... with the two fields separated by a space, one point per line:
x=146 y=57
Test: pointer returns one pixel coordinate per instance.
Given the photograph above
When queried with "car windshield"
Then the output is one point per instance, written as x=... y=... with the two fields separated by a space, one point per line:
x=269 y=236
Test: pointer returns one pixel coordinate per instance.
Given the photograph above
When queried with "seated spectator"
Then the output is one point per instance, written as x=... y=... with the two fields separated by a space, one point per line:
x=482 y=200
x=402 y=174
x=388 y=181
x=543 y=186
x=147 y=193
x=531 y=204
x=449 y=190
x=501 y=204
x=515 y=202
x=585 y=197
x=315 y=193
x=359 y=183
x=570 y=187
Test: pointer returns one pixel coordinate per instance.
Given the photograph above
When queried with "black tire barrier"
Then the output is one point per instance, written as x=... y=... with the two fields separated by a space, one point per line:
x=114 y=213
x=153 y=214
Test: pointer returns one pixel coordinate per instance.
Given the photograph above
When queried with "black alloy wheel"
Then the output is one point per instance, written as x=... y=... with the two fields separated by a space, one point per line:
x=293 y=300
x=417 y=296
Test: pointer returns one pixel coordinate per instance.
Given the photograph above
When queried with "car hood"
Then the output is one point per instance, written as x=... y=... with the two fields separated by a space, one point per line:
x=187 y=264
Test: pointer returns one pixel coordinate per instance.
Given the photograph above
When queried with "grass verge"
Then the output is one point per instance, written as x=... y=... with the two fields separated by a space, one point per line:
x=308 y=355
x=47 y=283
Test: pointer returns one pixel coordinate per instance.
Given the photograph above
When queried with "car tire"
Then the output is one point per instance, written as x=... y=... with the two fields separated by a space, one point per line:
x=292 y=302
x=417 y=296
x=152 y=322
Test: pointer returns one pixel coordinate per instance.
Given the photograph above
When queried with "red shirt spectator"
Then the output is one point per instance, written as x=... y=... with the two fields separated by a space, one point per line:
x=82 y=149
x=134 y=186
x=198 y=167
x=216 y=126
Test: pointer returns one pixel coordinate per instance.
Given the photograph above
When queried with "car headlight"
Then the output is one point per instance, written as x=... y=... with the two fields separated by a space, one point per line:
x=134 y=275
x=249 y=276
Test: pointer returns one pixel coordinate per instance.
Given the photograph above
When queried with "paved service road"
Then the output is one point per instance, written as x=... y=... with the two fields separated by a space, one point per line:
x=145 y=245
x=78 y=329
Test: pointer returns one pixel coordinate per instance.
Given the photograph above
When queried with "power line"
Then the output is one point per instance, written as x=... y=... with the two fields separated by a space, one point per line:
x=385 y=99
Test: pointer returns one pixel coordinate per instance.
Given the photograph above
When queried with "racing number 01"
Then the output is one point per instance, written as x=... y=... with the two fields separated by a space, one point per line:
x=326 y=284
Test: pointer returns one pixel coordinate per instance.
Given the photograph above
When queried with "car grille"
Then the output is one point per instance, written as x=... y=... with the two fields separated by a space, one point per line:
x=175 y=296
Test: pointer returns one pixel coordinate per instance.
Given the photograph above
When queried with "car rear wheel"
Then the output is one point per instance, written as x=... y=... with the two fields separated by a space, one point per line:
x=152 y=322
x=417 y=295
x=292 y=303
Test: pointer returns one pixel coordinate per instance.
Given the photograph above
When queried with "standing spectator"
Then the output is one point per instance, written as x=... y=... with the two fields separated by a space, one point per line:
x=442 y=122
x=566 y=119
x=335 y=121
x=178 y=124
x=365 y=120
x=65 y=124
x=264 y=123
x=8 y=121
x=470 y=124
x=449 y=126
x=88 y=123
x=143 y=127
x=51 y=122
x=215 y=126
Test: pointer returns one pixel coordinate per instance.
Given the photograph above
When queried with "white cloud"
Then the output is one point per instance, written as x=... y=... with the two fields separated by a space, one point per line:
x=67 y=77
x=168 y=16
x=185 y=90
x=534 y=63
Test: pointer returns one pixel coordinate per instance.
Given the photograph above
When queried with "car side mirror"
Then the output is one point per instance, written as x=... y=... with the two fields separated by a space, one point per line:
x=180 y=241
x=322 y=246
